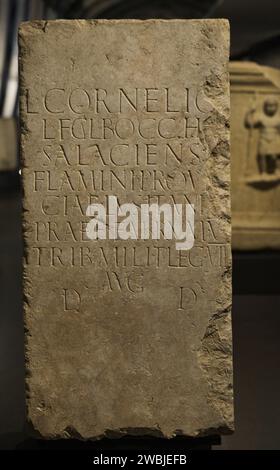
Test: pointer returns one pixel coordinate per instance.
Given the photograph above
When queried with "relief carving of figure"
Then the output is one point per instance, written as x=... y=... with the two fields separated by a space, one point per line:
x=268 y=123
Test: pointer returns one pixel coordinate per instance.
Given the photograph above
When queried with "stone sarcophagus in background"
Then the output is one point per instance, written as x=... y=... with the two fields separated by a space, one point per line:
x=255 y=156
x=126 y=334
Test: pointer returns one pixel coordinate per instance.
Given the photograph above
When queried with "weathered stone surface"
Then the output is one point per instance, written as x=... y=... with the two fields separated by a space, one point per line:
x=8 y=144
x=126 y=336
x=255 y=150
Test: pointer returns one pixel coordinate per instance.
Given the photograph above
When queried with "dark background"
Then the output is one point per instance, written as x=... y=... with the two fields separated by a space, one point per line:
x=256 y=277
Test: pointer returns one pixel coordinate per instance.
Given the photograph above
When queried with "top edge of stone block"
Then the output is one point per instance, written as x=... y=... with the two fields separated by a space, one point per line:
x=246 y=68
x=42 y=25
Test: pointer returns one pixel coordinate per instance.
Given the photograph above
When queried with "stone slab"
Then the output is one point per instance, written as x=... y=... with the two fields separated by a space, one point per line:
x=126 y=336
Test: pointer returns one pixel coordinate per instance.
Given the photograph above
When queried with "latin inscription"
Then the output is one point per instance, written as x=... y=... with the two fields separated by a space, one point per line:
x=146 y=141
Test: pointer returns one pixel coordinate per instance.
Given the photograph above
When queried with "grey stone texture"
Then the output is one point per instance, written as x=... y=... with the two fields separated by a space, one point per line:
x=126 y=336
